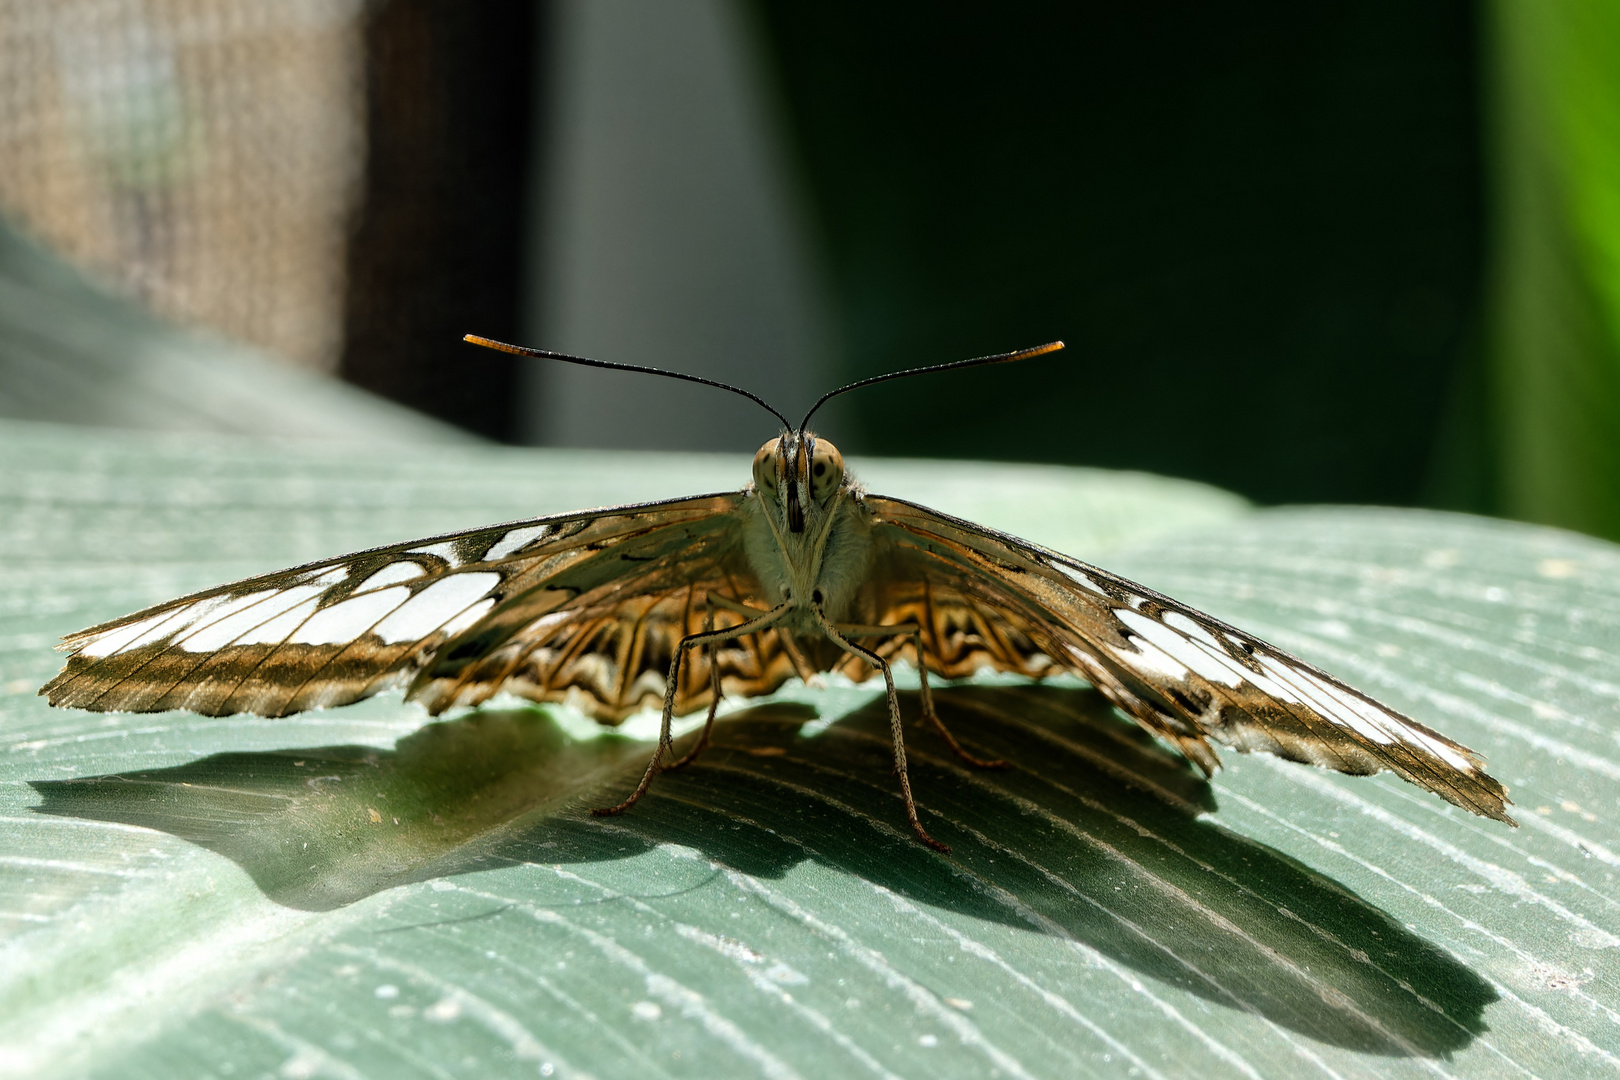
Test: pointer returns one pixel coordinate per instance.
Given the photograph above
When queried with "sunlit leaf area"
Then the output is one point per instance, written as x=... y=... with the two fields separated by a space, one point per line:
x=367 y=892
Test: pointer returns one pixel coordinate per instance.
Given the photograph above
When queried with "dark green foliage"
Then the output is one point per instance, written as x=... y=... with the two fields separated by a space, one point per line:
x=1257 y=227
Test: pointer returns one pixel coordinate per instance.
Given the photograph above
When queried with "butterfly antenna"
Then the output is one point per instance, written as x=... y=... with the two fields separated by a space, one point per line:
x=977 y=361
x=583 y=361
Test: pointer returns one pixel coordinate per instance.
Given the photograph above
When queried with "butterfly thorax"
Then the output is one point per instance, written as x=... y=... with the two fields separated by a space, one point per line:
x=807 y=534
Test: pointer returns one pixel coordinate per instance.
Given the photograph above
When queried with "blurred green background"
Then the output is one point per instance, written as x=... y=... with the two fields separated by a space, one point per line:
x=1350 y=252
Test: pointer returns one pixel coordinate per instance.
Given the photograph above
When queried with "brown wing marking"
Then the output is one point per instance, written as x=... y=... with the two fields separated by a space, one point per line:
x=961 y=634
x=612 y=661
x=1180 y=673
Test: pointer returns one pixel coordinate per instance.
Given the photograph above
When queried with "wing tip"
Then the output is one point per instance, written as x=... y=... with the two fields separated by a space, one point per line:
x=1496 y=812
x=1487 y=796
x=55 y=691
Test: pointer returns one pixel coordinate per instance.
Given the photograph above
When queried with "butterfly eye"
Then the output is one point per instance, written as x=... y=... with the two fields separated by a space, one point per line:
x=826 y=470
x=765 y=468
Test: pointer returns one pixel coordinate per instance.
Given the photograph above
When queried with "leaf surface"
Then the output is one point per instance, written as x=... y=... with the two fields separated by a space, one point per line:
x=362 y=893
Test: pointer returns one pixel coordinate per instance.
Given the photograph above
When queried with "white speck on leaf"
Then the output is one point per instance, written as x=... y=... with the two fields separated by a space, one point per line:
x=783 y=975
x=1594 y=938
x=302 y=1066
x=443 y=1011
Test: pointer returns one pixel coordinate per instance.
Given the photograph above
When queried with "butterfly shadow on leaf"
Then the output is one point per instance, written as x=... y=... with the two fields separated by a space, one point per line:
x=1092 y=837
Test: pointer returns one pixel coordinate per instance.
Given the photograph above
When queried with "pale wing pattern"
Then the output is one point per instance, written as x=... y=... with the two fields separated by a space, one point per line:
x=589 y=598
x=1178 y=672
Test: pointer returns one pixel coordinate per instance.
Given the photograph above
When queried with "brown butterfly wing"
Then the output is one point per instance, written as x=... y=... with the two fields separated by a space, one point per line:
x=586 y=606
x=601 y=635
x=988 y=598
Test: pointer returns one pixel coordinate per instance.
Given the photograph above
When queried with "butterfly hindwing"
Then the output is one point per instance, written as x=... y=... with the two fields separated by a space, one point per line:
x=342 y=629
x=601 y=633
x=1180 y=673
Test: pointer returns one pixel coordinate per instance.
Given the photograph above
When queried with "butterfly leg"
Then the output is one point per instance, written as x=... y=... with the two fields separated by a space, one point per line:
x=655 y=766
x=915 y=633
x=714 y=700
x=896 y=735
x=939 y=725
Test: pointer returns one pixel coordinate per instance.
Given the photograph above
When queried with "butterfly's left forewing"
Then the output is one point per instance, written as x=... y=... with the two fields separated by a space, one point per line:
x=1179 y=672
x=580 y=605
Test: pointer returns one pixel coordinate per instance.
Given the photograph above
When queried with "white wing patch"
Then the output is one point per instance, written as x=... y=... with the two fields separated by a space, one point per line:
x=1179 y=622
x=179 y=620
x=115 y=640
x=515 y=541
x=1445 y=752
x=293 y=615
x=382 y=604
x=161 y=626
x=342 y=623
x=276 y=630
x=1325 y=700
x=1178 y=645
x=1148 y=659
x=435 y=606
x=392 y=574
x=237 y=618
x=330 y=576
x=445 y=550
x=1173 y=644
x=468 y=617
x=1081 y=579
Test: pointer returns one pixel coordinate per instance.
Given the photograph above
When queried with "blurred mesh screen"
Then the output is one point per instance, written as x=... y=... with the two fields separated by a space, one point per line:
x=202 y=154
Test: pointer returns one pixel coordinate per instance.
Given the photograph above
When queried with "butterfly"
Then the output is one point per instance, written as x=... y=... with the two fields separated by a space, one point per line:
x=676 y=604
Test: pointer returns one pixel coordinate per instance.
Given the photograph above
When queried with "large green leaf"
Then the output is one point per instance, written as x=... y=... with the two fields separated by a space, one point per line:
x=1553 y=326
x=363 y=893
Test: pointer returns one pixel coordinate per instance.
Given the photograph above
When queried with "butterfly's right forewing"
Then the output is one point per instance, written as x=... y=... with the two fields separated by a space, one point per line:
x=426 y=614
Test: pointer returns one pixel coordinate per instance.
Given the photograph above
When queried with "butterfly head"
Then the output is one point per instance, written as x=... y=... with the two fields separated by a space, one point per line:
x=797 y=472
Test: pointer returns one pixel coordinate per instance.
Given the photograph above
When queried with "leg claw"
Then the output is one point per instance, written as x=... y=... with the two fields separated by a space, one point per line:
x=922 y=834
